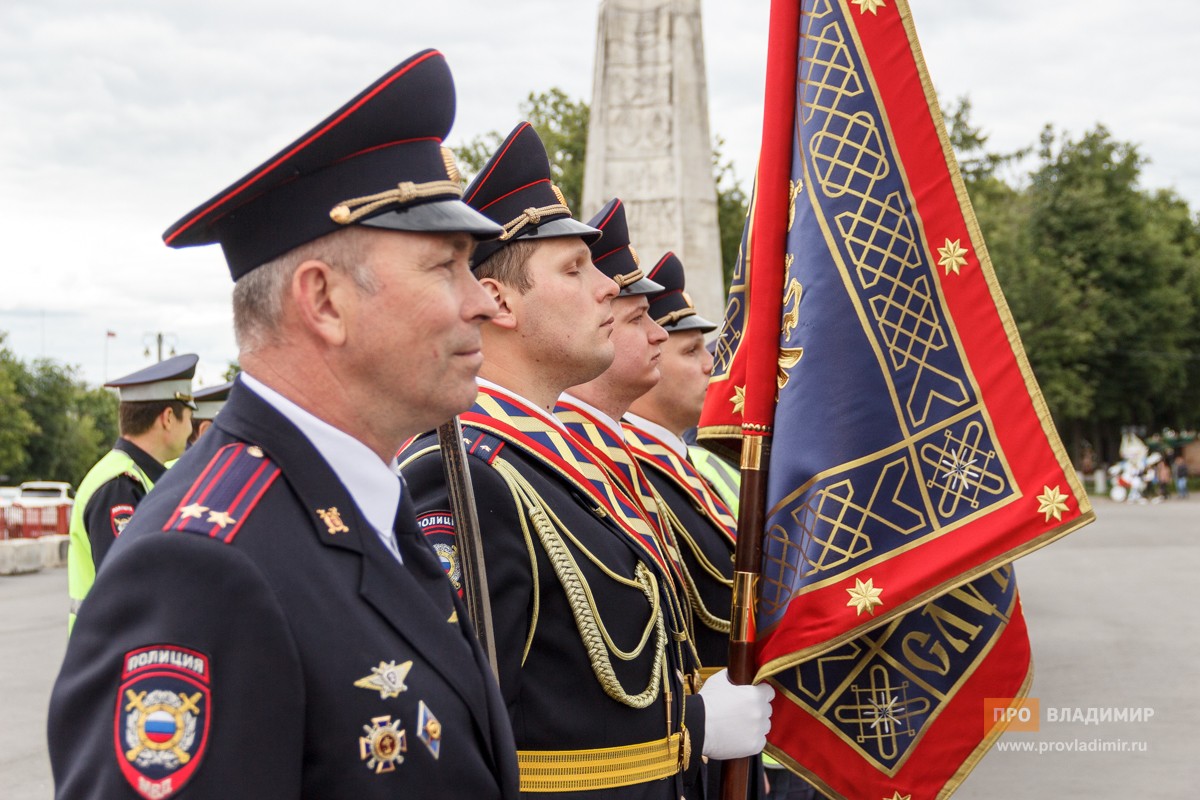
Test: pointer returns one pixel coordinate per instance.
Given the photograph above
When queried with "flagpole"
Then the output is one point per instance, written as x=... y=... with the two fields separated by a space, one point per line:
x=747 y=565
x=765 y=259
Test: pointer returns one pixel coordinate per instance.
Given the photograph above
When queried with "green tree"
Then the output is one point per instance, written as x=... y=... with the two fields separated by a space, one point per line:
x=732 y=203
x=1112 y=254
x=71 y=437
x=562 y=124
x=16 y=425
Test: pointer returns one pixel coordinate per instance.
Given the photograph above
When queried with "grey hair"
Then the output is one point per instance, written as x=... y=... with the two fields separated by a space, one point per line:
x=260 y=294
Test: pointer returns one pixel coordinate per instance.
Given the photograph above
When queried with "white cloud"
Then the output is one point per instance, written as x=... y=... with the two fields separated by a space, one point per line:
x=117 y=118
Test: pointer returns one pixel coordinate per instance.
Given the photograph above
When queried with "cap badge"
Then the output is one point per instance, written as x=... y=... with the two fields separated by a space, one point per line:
x=451 y=165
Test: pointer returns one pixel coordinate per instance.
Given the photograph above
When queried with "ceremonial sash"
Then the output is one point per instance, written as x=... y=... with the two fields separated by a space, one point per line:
x=684 y=474
x=509 y=418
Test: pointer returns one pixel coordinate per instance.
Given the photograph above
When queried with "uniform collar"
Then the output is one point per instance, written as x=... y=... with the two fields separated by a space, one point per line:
x=147 y=463
x=658 y=432
x=533 y=408
x=371 y=483
x=603 y=418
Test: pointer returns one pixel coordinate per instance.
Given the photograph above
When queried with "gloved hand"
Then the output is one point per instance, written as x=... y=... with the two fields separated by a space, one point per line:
x=736 y=718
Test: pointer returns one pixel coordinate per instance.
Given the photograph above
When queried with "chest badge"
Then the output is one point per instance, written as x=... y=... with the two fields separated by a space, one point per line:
x=429 y=730
x=383 y=744
x=387 y=679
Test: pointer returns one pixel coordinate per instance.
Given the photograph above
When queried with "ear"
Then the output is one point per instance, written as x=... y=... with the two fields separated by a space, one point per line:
x=320 y=297
x=502 y=295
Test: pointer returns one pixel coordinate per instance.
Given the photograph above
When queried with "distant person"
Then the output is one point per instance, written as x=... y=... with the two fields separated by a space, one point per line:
x=155 y=421
x=1162 y=476
x=1181 y=476
x=208 y=403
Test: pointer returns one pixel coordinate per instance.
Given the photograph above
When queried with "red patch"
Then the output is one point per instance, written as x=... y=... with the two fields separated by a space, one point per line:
x=119 y=516
x=160 y=730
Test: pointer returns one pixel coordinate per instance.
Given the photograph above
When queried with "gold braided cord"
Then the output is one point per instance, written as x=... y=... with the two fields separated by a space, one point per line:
x=691 y=587
x=356 y=208
x=629 y=278
x=675 y=316
x=514 y=482
x=593 y=634
x=532 y=216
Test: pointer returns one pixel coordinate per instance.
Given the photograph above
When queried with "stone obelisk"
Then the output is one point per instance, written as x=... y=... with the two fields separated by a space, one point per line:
x=649 y=141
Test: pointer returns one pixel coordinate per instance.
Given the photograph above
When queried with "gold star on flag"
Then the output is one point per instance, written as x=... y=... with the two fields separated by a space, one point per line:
x=869 y=5
x=738 y=399
x=953 y=256
x=194 y=511
x=220 y=518
x=864 y=596
x=898 y=796
x=1053 y=503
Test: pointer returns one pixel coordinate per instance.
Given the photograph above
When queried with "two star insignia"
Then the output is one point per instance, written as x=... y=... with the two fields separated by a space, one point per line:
x=196 y=511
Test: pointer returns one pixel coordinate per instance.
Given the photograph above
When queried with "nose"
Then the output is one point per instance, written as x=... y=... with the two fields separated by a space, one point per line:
x=478 y=305
x=658 y=334
x=706 y=363
x=606 y=286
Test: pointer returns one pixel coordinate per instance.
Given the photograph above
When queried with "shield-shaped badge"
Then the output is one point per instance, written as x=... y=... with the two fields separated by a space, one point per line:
x=162 y=718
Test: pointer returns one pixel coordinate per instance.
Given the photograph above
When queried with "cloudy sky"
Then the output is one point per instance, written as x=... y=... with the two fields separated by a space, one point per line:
x=118 y=116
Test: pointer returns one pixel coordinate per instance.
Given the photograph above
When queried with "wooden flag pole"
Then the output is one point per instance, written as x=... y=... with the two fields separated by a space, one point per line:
x=747 y=566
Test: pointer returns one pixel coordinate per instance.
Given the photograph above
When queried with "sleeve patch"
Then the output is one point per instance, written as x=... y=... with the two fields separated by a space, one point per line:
x=228 y=489
x=438 y=528
x=161 y=724
x=119 y=516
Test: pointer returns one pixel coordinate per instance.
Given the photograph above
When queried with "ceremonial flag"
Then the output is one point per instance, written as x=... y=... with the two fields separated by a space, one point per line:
x=868 y=354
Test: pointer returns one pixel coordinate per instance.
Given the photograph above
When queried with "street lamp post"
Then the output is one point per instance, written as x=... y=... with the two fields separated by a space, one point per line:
x=158 y=339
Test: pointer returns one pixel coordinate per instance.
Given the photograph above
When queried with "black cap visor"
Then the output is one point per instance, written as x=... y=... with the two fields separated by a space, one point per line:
x=440 y=216
x=695 y=322
x=556 y=228
x=641 y=286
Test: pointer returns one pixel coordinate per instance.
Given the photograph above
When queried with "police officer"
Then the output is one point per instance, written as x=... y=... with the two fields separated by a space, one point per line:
x=209 y=402
x=592 y=653
x=155 y=420
x=702 y=524
x=271 y=623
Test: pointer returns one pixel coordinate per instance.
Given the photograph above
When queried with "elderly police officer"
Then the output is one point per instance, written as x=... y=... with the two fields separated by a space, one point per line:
x=154 y=417
x=271 y=623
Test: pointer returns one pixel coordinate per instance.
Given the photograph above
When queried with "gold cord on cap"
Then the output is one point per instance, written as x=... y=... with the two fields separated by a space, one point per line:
x=533 y=216
x=629 y=278
x=352 y=210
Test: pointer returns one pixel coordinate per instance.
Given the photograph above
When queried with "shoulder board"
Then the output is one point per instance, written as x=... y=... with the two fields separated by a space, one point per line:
x=483 y=446
x=228 y=489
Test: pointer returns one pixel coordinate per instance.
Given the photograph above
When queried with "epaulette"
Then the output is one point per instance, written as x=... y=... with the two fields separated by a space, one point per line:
x=482 y=445
x=227 y=490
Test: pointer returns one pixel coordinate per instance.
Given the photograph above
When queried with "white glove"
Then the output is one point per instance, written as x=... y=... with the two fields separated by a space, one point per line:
x=736 y=718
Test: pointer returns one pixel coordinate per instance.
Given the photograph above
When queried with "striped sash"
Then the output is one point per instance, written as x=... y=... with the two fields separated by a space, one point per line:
x=659 y=455
x=508 y=417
